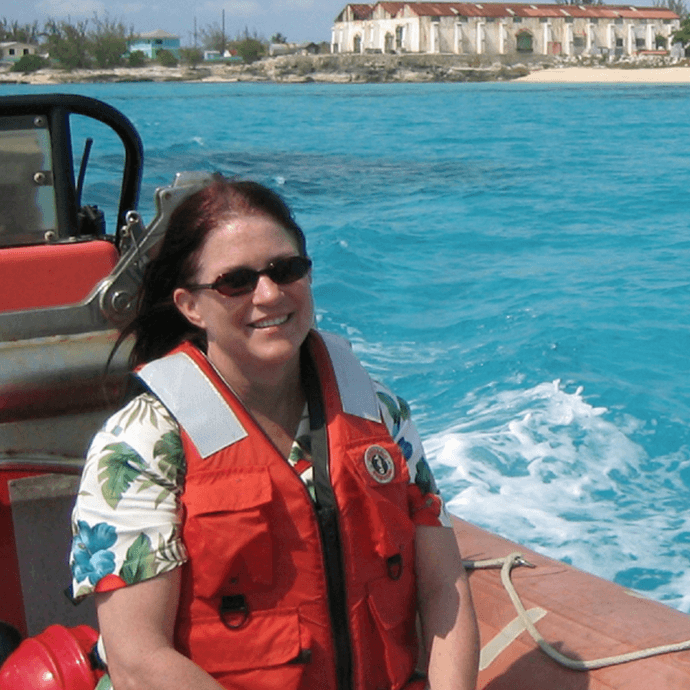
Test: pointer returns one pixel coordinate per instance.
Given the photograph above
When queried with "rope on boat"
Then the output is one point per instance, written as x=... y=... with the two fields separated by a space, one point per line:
x=506 y=564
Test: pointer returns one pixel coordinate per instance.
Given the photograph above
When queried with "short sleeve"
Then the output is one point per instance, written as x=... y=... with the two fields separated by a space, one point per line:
x=424 y=498
x=126 y=520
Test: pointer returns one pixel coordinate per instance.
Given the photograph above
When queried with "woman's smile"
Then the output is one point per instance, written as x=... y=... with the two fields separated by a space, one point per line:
x=267 y=323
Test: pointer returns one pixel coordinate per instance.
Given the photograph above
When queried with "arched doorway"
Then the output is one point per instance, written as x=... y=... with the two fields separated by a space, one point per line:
x=525 y=42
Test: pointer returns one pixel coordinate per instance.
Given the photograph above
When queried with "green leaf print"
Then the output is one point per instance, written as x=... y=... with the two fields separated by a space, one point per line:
x=169 y=554
x=404 y=408
x=393 y=410
x=139 y=410
x=146 y=410
x=168 y=451
x=139 y=562
x=117 y=471
x=424 y=479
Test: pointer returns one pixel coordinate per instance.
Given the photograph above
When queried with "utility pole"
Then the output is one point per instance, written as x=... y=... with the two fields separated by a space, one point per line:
x=222 y=50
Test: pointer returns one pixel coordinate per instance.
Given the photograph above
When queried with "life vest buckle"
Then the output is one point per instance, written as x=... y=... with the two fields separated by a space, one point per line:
x=234 y=611
x=395 y=566
x=304 y=657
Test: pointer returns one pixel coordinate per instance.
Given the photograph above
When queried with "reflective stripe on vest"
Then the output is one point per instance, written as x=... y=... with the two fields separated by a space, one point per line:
x=357 y=394
x=198 y=407
x=191 y=398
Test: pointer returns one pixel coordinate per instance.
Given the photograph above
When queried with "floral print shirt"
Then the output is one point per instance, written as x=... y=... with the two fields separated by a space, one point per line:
x=126 y=523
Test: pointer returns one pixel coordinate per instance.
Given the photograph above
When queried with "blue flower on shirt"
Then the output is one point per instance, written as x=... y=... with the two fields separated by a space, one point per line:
x=406 y=448
x=90 y=555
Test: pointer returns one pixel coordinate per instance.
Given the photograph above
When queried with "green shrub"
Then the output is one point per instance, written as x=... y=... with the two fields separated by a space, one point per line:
x=137 y=59
x=166 y=58
x=250 y=49
x=192 y=56
x=29 y=63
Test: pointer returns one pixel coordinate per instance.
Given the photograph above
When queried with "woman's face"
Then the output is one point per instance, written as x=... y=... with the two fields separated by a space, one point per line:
x=258 y=333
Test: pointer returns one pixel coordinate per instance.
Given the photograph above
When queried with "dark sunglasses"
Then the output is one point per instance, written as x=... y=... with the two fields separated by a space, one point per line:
x=242 y=281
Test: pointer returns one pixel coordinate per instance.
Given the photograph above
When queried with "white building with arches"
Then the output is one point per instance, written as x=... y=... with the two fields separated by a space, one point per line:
x=503 y=28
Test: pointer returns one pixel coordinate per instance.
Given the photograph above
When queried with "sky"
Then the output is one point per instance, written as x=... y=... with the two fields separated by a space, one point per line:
x=297 y=20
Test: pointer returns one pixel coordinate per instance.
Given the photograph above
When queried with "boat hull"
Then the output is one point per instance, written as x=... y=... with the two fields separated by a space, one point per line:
x=581 y=615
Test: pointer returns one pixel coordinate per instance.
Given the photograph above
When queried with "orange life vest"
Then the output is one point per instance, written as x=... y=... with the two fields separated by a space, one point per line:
x=271 y=598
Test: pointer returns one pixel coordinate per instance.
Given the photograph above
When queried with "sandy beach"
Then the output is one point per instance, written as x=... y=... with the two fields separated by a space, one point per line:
x=609 y=75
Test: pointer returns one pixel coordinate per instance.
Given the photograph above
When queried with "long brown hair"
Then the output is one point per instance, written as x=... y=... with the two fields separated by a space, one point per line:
x=158 y=326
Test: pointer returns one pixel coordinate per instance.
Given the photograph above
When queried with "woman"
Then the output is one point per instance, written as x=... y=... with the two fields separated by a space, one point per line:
x=262 y=516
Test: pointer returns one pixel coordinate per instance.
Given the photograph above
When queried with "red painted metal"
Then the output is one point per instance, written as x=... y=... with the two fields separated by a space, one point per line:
x=35 y=277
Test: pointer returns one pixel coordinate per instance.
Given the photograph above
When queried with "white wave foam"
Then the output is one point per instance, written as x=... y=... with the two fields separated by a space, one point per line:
x=545 y=468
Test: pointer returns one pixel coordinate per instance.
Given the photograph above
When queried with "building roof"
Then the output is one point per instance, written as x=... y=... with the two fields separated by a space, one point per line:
x=359 y=11
x=391 y=8
x=8 y=44
x=158 y=33
x=496 y=9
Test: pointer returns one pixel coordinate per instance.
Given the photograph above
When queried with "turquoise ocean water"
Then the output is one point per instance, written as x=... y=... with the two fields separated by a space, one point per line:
x=512 y=259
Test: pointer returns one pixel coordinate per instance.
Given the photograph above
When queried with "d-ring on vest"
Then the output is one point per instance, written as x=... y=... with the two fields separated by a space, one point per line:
x=273 y=598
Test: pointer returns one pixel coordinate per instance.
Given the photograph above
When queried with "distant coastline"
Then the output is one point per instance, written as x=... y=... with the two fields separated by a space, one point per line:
x=374 y=68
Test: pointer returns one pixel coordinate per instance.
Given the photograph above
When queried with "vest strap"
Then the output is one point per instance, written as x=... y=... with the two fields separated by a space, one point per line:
x=327 y=516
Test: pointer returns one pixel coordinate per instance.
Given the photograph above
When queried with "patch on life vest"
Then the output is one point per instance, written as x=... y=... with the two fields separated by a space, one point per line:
x=379 y=464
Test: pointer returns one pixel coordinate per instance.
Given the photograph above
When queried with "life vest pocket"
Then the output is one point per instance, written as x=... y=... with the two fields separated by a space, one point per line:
x=270 y=651
x=392 y=602
x=228 y=515
x=392 y=608
x=238 y=488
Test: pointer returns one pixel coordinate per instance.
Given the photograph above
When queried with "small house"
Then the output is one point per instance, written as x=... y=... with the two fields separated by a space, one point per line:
x=13 y=51
x=153 y=42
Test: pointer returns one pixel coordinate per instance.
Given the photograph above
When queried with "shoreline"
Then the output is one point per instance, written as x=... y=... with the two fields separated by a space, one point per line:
x=359 y=69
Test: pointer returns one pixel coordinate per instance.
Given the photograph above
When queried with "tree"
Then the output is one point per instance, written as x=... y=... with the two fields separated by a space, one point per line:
x=192 y=56
x=683 y=34
x=278 y=38
x=109 y=41
x=13 y=31
x=68 y=43
x=214 y=38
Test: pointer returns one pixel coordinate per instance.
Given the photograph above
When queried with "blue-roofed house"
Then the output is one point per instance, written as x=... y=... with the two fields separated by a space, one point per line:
x=153 y=42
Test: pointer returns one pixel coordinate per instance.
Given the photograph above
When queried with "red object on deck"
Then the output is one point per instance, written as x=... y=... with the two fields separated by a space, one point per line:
x=52 y=275
x=57 y=659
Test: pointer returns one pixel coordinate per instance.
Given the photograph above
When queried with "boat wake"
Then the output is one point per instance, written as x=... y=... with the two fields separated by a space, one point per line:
x=544 y=467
